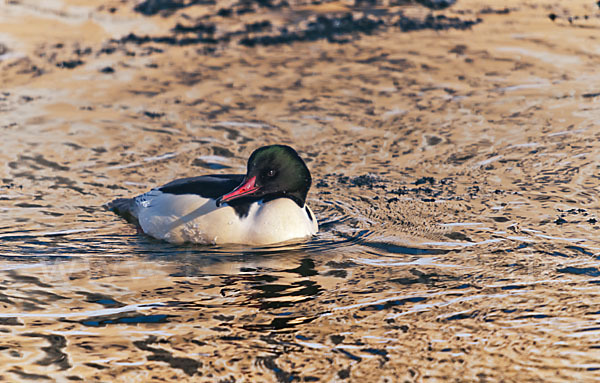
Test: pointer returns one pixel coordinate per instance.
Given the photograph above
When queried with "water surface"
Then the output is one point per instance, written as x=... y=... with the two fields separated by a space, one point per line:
x=454 y=160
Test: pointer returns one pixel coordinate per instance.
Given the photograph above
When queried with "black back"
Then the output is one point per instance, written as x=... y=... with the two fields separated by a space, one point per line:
x=211 y=186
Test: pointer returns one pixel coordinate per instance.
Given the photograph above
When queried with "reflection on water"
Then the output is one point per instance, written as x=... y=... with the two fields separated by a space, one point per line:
x=358 y=299
x=455 y=182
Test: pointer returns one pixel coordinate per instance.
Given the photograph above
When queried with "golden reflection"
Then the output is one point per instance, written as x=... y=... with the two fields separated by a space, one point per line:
x=455 y=181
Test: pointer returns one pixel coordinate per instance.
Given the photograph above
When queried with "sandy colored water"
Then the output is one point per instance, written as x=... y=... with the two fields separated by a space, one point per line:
x=455 y=179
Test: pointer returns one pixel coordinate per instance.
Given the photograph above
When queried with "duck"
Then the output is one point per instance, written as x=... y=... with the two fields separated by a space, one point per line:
x=265 y=206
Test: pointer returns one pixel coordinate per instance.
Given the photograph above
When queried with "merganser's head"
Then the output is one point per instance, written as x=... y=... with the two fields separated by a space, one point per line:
x=274 y=171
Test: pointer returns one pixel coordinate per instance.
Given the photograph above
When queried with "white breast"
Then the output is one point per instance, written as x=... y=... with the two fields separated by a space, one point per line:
x=191 y=218
x=280 y=220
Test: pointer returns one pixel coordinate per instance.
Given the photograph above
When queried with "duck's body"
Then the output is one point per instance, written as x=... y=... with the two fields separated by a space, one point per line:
x=226 y=209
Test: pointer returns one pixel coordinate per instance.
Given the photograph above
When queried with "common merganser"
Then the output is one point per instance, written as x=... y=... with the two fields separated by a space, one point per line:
x=265 y=206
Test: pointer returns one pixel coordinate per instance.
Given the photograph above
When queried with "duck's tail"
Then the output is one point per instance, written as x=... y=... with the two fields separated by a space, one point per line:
x=125 y=207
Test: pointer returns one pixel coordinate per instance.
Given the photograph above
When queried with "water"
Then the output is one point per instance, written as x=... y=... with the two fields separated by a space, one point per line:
x=455 y=182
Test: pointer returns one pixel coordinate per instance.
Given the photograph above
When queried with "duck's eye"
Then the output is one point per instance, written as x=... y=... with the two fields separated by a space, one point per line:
x=271 y=173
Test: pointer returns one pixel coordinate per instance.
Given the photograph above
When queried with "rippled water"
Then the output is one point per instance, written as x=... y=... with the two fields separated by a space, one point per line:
x=454 y=160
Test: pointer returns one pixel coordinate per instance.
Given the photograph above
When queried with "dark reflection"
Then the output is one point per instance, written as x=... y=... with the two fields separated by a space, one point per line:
x=589 y=271
x=268 y=362
x=264 y=287
x=306 y=268
x=280 y=324
x=304 y=289
x=393 y=303
x=462 y=316
x=54 y=354
x=132 y=318
x=580 y=249
x=268 y=279
x=188 y=365
x=101 y=299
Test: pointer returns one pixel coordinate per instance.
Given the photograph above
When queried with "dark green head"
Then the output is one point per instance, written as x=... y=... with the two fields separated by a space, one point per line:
x=273 y=171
